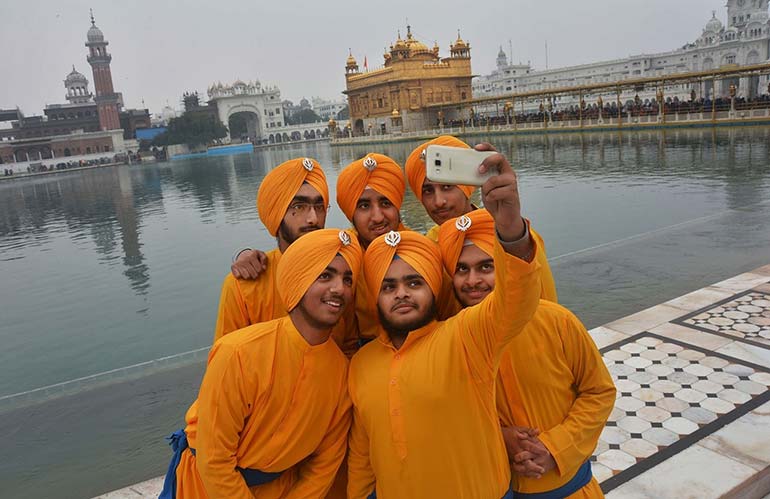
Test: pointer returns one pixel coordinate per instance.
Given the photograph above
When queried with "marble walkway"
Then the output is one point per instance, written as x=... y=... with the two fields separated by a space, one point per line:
x=692 y=415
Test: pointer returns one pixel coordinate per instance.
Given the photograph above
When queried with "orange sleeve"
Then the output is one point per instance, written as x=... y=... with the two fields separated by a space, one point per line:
x=224 y=404
x=547 y=283
x=573 y=441
x=316 y=474
x=232 y=313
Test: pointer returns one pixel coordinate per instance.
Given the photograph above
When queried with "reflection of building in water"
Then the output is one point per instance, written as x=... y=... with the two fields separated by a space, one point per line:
x=126 y=215
x=745 y=41
x=393 y=97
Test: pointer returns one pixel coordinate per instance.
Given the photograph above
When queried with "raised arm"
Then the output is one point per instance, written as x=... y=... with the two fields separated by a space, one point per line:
x=487 y=327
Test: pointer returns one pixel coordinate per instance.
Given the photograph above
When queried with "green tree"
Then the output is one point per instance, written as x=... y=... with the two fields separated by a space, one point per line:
x=192 y=129
x=304 y=116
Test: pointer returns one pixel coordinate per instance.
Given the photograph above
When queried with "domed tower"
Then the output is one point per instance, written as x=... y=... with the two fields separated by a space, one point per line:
x=502 y=59
x=77 y=88
x=460 y=49
x=351 y=66
x=106 y=98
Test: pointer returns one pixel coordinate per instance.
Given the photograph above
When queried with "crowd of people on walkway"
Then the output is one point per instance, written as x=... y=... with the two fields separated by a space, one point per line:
x=375 y=361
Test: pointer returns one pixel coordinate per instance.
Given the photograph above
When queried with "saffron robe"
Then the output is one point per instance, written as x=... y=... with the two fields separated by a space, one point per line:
x=552 y=377
x=425 y=422
x=268 y=401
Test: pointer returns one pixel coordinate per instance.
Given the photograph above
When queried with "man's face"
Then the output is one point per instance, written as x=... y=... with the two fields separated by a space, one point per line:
x=405 y=301
x=444 y=201
x=474 y=276
x=324 y=302
x=306 y=213
x=375 y=215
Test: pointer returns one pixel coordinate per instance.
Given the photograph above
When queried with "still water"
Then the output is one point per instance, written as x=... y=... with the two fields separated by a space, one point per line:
x=113 y=275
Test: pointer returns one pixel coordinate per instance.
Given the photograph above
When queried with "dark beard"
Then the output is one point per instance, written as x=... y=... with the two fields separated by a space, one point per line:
x=286 y=235
x=403 y=331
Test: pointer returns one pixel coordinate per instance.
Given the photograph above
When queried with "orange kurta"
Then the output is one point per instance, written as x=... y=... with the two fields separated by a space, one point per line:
x=269 y=401
x=244 y=302
x=425 y=421
x=568 y=396
x=547 y=283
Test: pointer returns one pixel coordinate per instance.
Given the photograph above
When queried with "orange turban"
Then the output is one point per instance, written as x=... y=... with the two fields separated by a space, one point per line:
x=377 y=171
x=477 y=227
x=415 y=249
x=415 y=164
x=280 y=186
x=305 y=259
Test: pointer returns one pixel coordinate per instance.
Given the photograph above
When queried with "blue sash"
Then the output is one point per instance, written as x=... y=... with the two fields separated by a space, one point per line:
x=178 y=443
x=577 y=482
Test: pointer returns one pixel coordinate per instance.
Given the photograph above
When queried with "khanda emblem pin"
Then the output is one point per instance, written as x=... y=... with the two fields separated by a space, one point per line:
x=463 y=223
x=308 y=164
x=345 y=238
x=370 y=163
x=423 y=153
x=393 y=238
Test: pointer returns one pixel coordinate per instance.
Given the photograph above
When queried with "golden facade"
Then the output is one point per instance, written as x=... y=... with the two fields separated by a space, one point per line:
x=394 y=97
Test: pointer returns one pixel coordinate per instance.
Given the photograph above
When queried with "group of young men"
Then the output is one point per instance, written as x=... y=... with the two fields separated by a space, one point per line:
x=466 y=379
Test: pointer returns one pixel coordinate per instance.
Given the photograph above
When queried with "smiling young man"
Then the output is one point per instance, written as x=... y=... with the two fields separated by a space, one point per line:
x=273 y=413
x=292 y=201
x=445 y=201
x=565 y=401
x=370 y=192
x=425 y=421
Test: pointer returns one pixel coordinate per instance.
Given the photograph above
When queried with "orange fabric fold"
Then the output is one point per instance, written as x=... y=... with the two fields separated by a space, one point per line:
x=281 y=185
x=415 y=249
x=377 y=171
x=305 y=259
x=415 y=164
x=477 y=227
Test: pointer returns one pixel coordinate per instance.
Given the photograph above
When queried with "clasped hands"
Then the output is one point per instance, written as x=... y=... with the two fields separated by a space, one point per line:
x=528 y=455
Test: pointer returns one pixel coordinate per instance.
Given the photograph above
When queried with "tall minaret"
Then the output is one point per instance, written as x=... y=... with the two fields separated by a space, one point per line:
x=106 y=98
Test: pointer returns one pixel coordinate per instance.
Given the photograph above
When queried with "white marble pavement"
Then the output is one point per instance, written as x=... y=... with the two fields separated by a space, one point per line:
x=692 y=415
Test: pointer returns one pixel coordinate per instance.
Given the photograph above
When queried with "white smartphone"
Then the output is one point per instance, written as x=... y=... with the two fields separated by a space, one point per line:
x=455 y=165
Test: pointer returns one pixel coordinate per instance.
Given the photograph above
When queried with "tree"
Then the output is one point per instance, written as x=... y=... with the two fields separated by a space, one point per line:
x=304 y=116
x=192 y=129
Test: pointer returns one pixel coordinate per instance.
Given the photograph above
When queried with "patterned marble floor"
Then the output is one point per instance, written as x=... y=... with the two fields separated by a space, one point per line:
x=692 y=414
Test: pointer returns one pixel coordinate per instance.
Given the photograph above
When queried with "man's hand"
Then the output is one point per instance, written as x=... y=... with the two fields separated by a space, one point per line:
x=501 y=195
x=514 y=437
x=249 y=264
x=536 y=452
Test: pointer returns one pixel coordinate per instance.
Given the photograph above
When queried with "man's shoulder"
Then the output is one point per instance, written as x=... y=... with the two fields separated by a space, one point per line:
x=252 y=335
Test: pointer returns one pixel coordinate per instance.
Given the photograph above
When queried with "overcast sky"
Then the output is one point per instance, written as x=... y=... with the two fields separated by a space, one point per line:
x=161 y=49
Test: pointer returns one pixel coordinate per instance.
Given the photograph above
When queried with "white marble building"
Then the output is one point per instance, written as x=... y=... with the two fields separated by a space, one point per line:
x=744 y=41
x=262 y=105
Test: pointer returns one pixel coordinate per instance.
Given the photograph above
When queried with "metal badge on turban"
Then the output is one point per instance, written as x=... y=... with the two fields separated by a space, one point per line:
x=423 y=153
x=393 y=238
x=345 y=238
x=463 y=223
x=370 y=163
x=308 y=164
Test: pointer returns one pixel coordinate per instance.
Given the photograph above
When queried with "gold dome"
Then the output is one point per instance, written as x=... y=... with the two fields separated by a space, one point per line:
x=332 y=123
x=459 y=42
x=395 y=113
x=351 y=60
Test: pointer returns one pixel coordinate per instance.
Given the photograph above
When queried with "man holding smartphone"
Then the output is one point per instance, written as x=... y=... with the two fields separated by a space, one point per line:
x=425 y=421
x=567 y=399
x=446 y=201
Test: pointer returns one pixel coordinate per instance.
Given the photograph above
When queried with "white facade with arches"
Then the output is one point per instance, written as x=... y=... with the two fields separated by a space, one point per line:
x=745 y=40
